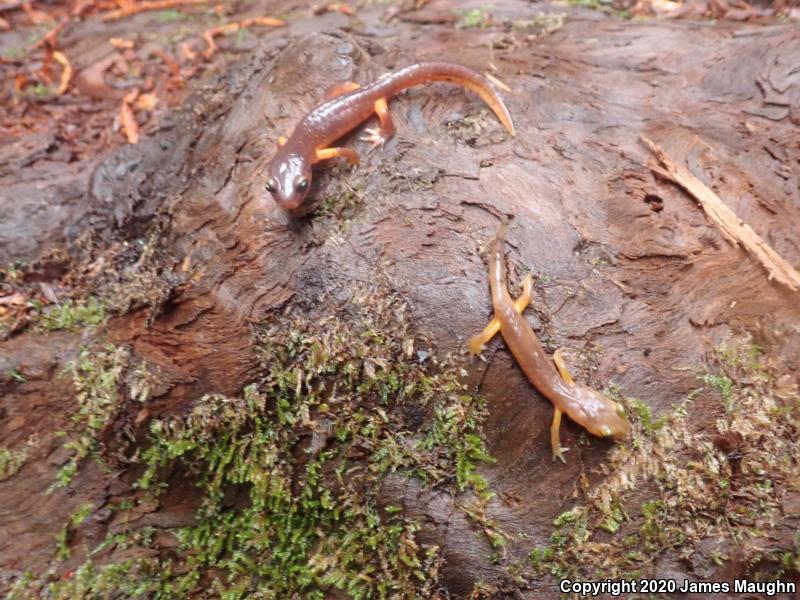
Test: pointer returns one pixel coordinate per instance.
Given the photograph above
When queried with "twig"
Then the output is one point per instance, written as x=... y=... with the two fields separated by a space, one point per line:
x=132 y=9
x=730 y=226
x=209 y=34
x=339 y=7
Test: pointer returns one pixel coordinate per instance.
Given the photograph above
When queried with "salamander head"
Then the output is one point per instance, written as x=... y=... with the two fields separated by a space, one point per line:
x=289 y=180
x=600 y=415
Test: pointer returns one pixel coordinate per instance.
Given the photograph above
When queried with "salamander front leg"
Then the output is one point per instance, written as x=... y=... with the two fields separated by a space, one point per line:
x=555 y=440
x=558 y=358
x=476 y=343
x=326 y=153
x=555 y=437
x=379 y=136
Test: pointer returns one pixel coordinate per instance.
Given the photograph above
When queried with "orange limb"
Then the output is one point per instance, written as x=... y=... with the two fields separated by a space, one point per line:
x=340 y=88
x=379 y=136
x=327 y=153
x=558 y=358
x=555 y=438
x=387 y=124
x=476 y=343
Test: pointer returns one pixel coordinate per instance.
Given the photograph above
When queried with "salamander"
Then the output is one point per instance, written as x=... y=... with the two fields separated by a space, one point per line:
x=346 y=106
x=589 y=408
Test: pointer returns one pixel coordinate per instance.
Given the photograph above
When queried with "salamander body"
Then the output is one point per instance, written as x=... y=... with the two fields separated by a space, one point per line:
x=589 y=408
x=347 y=105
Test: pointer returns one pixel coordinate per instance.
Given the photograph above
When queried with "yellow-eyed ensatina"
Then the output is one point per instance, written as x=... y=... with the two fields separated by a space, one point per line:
x=589 y=408
x=345 y=107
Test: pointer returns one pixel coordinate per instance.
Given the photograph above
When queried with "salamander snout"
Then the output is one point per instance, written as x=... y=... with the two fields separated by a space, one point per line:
x=600 y=415
x=289 y=183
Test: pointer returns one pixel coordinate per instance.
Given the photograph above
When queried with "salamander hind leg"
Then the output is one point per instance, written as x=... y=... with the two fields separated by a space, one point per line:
x=340 y=89
x=555 y=437
x=379 y=136
x=476 y=343
x=327 y=153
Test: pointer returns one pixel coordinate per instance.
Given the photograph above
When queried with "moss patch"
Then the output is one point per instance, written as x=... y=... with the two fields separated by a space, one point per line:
x=707 y=497
x=288 y=474
x=11 y=461
x=72 y=314
x=95 y=373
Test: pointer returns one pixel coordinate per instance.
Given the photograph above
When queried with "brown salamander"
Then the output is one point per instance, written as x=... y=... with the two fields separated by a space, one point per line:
x=346 y=106
x=587 y=407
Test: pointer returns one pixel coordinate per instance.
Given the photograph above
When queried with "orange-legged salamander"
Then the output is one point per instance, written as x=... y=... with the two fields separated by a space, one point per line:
x=346 y=106
x=587 y=407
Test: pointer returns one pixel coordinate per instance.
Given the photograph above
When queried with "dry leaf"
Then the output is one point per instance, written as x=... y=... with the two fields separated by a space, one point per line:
x=66 y=74
x=146 y=102
x=120 y=44
x=129 y=124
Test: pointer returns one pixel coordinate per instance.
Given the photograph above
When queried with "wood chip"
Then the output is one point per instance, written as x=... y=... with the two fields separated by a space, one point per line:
x=66 y=74
x=732 y=228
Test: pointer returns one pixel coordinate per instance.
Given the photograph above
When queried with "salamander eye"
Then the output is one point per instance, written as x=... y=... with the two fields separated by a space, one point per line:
x=301 y=184
x=605 y=430
x=271 y=185
x=620 y=410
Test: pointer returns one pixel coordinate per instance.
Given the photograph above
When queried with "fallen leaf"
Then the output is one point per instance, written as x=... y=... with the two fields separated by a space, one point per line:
x=120 y=44
x=66 y=74
x=129 y=124
x=146 y=101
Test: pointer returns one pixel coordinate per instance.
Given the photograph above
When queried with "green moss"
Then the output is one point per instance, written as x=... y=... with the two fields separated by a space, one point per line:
x=95 y=374
x=169 y=16
x=691 y=477
x=475 y=17
x=13 y=272
x=288 y=475
x=340 y=206
x=39 y=91
x=595 y=4
x=11 y=461
x=644 y=414
x=13 y=53
x=73 y=315
x=17 y=376
x=570 y=528
x=722 y=383
x=74 y=521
